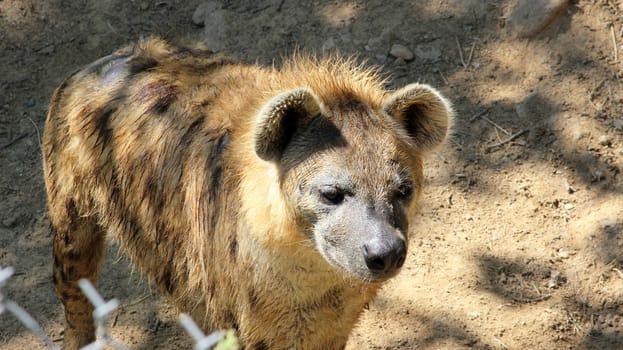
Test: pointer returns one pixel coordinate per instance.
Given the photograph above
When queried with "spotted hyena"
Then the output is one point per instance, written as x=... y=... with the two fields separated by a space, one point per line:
x=272 y=201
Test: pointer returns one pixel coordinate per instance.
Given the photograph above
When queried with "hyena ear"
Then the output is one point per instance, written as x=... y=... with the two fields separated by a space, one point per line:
x=279 y=119
x=423 y=112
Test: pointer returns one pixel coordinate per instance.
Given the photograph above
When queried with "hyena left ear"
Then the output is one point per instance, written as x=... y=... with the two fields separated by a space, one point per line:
x=423 y=112
x=279 y=119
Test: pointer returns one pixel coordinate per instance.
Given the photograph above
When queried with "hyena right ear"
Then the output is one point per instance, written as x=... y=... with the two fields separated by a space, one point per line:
x=279 y=119
x=423 y=112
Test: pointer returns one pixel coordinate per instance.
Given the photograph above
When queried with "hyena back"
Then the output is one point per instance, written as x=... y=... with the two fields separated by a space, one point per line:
x=272 y=201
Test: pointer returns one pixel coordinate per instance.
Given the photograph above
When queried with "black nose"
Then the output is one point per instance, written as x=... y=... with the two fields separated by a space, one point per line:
x=385 y=255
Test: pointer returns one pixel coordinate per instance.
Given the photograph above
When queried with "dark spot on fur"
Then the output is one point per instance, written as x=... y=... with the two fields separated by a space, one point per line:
x=166 y=279
x=159 y=95
x=66 y=239
x=141 y=64
x=190 y=133
x=115 y=194
x=72 y=274
x=66 y=296
x=211 y=290
x=216 y=167
x=233 y=247
x=101 y=123
x=164 y=99
x=73 y=255
x=54 y=279
x=133 y=226
x=62 y=274
x=252 y=298
x=184 y=52
x=231 y=320
x=260 y=345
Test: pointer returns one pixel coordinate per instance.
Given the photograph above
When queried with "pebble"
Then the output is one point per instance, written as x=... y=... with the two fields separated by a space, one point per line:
x=401 y=51
x=528 y=18
x=568 y=206
x=474 y=315
x=381 y=43
x=570 y=189
x=29 y=103
x=618 y=124
x=428 y=53
x=555 y=279
x=563 y=253
x=605 y=140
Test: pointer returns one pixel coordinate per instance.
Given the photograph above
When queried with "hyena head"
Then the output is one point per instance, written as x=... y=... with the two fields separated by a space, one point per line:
x=351 y=170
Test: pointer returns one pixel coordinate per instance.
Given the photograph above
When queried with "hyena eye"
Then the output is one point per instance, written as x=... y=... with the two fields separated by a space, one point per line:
x=331 y=195
x=404 y=191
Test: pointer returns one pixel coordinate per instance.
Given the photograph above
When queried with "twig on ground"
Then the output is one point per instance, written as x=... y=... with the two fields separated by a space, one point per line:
x=483 y=116
x=458 y=44
x=471 y=53
x=10 y=143
x=38 y=133
x=443 y=77
x=478 y=115
x=507 y=140
x=614 y=43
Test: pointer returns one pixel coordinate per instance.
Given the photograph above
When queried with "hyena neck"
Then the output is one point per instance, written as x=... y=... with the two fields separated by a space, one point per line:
x=270 y=227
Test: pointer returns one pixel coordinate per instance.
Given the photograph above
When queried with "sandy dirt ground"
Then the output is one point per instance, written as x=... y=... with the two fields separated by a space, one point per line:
x=519 y=244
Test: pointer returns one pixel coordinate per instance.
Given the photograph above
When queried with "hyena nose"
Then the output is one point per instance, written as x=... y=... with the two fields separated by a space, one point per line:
x=385 y=255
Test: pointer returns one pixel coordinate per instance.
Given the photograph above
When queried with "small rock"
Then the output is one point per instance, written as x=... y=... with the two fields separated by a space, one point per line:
x=563 y=253
x=29 y=103
x=598 y=175
x=399 y=62
x=474 y=315
x=580 y=134
x=381 y=43
x=144 y=5
x=428 y=53
x=555 y=279
x=605 y=140
x=618 y=124
x=568 y=206
x=401 y=51
x=528 y=18
x=570 y=189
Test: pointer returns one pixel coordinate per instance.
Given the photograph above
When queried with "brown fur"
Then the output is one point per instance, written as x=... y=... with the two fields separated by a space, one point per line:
x=192 y=162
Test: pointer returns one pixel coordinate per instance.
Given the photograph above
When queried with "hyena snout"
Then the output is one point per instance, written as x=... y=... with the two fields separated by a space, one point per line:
x=384 y=255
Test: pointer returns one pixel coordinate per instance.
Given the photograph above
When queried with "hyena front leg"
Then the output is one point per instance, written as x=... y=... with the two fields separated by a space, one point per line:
x=78 y=253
